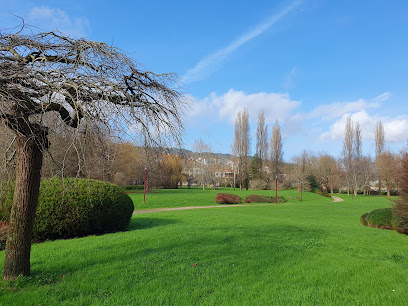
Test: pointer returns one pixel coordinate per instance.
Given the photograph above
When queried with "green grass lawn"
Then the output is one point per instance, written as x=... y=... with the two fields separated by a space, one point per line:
x=311 y=253
x=164 y=198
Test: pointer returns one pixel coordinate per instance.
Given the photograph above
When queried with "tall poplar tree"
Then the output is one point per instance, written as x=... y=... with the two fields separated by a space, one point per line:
x=261 y=154
x=276 y=156
x=241 y=147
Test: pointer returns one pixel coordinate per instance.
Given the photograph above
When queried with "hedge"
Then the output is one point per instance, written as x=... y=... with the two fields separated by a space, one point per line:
x=381 y=218
x=74 y=207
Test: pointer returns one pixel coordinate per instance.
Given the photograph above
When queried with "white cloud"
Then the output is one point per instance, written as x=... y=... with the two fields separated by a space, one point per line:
x=50 y=19
x=276 y=106
x=339 y=109
x=395 y=129
x=209 y=64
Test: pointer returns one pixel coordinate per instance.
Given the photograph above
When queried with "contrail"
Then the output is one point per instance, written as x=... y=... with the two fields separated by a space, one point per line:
x=208 y=64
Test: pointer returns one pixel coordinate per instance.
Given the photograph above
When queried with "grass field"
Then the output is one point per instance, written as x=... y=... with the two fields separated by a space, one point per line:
x=311 y=253
x=164 y=198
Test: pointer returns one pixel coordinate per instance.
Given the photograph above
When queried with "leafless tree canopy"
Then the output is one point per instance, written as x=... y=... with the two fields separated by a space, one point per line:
x=379 y=149
x=276 y=149
x=379 y=139
x=83 y=82
x=203 y=151
x=261 y=142
x=49 y=72
x=241 y=146
x=348 y=149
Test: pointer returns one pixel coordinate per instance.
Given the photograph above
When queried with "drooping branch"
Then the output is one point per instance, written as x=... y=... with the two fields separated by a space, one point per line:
x=78 y=79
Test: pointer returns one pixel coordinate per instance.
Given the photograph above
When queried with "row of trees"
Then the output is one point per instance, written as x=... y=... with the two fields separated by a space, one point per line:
x=354 y=171
x=262 y=167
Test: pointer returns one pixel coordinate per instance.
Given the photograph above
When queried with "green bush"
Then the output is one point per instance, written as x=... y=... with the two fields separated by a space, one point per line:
x=76 y=207
x=381 y=218
x=400 y=224
x=363 y=219
x=263 y=199
x=322 y=193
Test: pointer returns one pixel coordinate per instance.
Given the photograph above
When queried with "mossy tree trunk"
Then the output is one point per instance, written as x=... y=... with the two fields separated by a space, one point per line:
x=28 y=175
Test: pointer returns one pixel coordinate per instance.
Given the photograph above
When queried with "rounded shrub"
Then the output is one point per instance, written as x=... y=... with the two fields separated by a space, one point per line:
x=323 y=193
x=363 y=219
x=227 y=198
x=381 y=218
x=78 y=207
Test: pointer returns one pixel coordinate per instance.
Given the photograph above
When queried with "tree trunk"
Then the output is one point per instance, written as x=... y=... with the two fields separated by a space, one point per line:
x=28 y=175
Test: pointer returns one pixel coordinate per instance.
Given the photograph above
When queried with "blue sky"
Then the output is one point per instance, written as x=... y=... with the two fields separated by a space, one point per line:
x=307 y=64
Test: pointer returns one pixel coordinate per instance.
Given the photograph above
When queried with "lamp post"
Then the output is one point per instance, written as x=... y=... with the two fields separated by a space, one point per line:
x=144 y=186
x=276 y=189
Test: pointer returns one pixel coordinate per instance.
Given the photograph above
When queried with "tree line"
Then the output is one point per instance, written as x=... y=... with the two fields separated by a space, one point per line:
x=352 y=172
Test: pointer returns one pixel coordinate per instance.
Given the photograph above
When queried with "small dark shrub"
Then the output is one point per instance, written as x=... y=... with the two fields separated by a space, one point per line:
x=363 y=219
x=263 y=199
x=77 y=207
x=322 y=193
x=227 y=198
x=381 y=218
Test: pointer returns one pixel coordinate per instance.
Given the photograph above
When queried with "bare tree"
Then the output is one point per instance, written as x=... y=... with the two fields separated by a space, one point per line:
x=241 y=147
x=379 y=148
x=202 y=151
x=352 y=155
x=81 y=81
x=276 y=149
x=348 y=152
x=261 y=145
x=326 y=165
x=357 y=156
x=387 y=166
x=300 y=163
x=366 y=173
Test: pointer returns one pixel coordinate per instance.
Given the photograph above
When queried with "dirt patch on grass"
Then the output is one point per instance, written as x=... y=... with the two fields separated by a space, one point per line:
x=337 y=199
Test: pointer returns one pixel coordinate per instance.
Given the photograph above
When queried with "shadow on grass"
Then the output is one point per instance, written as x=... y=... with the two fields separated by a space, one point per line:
x=208 y=243
x=145 y=223
x=213 y=247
